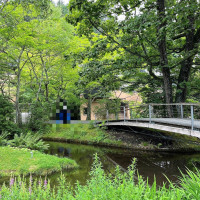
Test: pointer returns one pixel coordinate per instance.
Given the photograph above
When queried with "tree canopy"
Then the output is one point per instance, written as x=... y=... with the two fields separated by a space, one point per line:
x=155 y=40
x=53 y=51
x=36 y=64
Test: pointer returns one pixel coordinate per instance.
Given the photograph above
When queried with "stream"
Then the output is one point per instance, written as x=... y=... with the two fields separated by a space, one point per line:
x=149 y=164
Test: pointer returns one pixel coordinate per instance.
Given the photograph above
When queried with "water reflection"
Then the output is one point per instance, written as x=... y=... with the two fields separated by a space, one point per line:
x=149 y=164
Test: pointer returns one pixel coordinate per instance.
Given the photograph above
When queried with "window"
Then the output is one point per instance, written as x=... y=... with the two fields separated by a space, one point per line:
x=85 y=111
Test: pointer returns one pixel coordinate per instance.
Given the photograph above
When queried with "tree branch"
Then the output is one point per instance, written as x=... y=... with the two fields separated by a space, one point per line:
x=111 y=38
x=147 y=58
x=178 y=36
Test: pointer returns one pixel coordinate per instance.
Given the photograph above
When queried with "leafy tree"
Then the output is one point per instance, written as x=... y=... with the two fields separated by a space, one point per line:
x=38 y=53
x=96 y=81
x=110 y=105
x=63 y=7
x=48 y=72
x=6 y=116
x=38 y=120
x=159 y=36
x=16 y=36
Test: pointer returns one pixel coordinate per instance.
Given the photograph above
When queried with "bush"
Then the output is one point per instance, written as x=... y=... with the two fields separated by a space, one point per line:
x=7 y=116
x=3 y=139
x=39 y=116
x=29 y=141
x=91 y=125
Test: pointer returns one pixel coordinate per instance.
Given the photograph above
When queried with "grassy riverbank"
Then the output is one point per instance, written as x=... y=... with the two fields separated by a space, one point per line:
x=83 y=133
x=16 y=161
x=88 y=134
x=102 y=186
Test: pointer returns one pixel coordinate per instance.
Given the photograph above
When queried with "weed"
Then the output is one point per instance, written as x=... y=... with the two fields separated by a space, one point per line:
x=145 y=144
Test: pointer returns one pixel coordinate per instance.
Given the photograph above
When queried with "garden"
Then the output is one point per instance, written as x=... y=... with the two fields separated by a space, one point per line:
x=70 y=54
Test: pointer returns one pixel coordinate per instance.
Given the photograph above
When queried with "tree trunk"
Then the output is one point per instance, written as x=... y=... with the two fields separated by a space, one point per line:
x=46 y=85
x=18 y=113
x=184 y=74
x=167 y=83
x=19 y=70
x=47 y=92
x=89 y=104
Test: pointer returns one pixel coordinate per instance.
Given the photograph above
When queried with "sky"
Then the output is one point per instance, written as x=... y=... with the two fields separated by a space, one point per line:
x=64 y=1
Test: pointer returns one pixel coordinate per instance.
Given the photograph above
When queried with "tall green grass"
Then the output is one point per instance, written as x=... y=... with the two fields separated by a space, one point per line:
x=122 y=186
x=81 y=132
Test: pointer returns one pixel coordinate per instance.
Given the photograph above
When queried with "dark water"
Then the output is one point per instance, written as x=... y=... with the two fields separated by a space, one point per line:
x=149 y=164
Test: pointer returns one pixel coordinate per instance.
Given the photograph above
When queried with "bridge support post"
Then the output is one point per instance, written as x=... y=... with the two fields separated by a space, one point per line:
x=124 y=114
x=107 y=115
x=181 y=111
x=131 y=114
x=192 y=117
x=150 y=108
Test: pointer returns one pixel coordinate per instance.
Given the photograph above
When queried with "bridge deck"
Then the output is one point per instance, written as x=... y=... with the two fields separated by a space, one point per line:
x=174 y=125
x=167 y=121
x=171 y=121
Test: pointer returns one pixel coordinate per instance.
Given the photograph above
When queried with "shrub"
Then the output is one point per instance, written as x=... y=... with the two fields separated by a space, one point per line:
x=31 y=141
x=91 y=125
x=3 y=139
x=39 y=116
x=7 y=116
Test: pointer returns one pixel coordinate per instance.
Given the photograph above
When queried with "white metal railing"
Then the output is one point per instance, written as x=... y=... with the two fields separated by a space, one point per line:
x=180 y=114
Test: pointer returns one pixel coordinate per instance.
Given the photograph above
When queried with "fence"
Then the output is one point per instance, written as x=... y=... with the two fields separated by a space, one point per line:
x=180 y=114
x=25 y=112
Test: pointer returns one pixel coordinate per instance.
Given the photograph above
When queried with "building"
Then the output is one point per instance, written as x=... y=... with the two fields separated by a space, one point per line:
x=117 y=106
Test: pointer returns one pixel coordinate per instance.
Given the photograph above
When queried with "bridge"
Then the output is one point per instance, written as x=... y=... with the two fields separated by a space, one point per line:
x=174 y=118
x=181 y=118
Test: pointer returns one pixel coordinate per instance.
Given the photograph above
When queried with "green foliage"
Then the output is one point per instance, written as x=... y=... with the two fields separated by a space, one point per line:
x=126 y=37
x=110 y=105
x=4 y=138
x=91 y=125
x=145 y=144
x=82 y=132
x=159 y=145
x=30 y=141
x=102 y=125
x=6 y=116
x=190 y=183
x=39 y=116
x=37 y=48
x=102 y=186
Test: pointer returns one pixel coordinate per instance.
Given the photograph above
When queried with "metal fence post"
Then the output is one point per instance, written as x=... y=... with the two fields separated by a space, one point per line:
x=107 y=115
x=131 y=114
x=192 y=117
x=124 y=113
x=181 y=111
x=150 y=114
